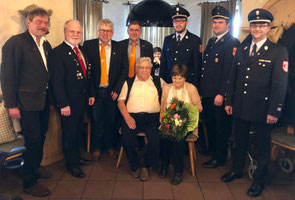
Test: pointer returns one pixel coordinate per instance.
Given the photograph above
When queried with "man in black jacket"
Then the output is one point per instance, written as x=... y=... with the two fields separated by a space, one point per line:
x=215 y=72
x=181 y=47
x=70 y=78
x=110 y=67
x=24 y=81
x=136 y=47
x=255 y=97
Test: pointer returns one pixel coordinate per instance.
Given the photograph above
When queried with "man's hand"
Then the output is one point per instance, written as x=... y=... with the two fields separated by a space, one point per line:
x=228 y=110
x=130 y=122
x=14 y=112
x=91 y=101
x=218 y=101
x=271 y=119
x=65 y=111
x=114 y=95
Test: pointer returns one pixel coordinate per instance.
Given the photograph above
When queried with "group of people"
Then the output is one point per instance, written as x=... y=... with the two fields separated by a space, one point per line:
x=128 y=77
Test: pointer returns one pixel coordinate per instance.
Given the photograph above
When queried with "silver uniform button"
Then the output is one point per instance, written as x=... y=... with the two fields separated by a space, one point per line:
x=248 y=68
x=246 y=84
x=175 y=58
x=204 y=61
x=206 y=54
x=247 y=76
x=239 y=63
x=203 y=68
x=266 y=98
x=176 y=51
x=202 y=75
x=245 y=92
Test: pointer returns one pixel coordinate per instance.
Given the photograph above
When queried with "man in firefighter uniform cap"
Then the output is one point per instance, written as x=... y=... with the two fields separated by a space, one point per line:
x=182 y=47
x=214 y=74
x=255 y=95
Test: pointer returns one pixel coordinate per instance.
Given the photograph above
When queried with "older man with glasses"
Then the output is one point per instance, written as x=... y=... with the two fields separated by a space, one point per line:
x=109 y=66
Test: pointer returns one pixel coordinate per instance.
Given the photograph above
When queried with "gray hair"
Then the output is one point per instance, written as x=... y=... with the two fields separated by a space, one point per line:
x=71 y=20
x=144 y=59
x=106 y=22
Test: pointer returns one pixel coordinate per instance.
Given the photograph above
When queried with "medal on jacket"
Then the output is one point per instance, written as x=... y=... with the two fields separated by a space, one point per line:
x=216 y=60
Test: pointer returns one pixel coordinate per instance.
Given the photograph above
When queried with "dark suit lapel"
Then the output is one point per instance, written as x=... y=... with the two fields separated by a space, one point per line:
x=112 y=59
x=246 y=51
x=264 y=49
x=142 y=47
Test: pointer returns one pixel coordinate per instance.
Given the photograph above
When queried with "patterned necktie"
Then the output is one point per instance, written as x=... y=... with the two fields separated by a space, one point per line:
x=81 y=61
x=253 y=50
x=103 y=65
x=132 y=61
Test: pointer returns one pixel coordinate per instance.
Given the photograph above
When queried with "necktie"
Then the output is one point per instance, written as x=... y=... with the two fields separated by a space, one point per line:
x=132 y=61
x=81 y=61
x=253 y=50
x=103 y=65
x=178 y=39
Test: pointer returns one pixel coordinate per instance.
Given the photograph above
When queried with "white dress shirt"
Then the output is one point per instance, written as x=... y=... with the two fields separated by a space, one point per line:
x=41 y=49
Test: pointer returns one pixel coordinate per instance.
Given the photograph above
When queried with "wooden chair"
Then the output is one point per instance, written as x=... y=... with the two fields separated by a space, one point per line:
x=205 y=133
x=141 y=134
x=192 y=153
x=88 y=122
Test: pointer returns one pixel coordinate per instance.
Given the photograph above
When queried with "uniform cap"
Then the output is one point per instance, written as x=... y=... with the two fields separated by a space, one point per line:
x=260 y=16
x=220 y=12
x=179 y=12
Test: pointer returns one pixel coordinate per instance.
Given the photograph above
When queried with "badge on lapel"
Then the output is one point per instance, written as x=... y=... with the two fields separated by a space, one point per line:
x=234 y=51
x=216 y=60
x=265 y=48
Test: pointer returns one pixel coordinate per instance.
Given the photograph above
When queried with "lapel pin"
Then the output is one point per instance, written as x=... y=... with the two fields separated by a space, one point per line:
x=266 y=48
x=216 y=60
x=186 y=37
x=70 y=53
x=173 y=36
x=114 y=53
x=246 y=47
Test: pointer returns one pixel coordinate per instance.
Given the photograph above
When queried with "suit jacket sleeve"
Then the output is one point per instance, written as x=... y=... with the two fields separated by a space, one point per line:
x=163 y=65
x=57 y=79
x=279 y=83
x=227 y=66
x=231 y=87
x=124 y=71
x=10 y=69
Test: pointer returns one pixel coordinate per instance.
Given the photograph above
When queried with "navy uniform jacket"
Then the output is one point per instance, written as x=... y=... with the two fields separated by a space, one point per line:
x=217 y=64
x=188 y=53
x=257 y=85
x=24 y=78
x=70 y=86
x=118 y=64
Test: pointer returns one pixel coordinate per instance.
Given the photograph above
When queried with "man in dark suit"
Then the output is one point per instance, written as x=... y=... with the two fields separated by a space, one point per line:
x=136 y=47
x=214 y=74
x=24 y=81
x=110 y=66
x=181 y=47
x=70 y=78
x=255 y=97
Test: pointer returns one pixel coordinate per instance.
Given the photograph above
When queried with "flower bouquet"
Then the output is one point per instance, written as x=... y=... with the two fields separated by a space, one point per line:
x=179 y=119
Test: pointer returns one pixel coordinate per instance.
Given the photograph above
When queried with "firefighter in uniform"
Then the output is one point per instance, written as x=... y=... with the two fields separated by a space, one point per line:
x=181 y=47
x=255 y=95
x=214 y=74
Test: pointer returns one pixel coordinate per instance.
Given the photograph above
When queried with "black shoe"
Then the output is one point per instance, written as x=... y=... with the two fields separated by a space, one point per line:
x=177 y=179
x=212 y=164
x=230 y=176
x=86 y=162
x=255 y=190
x=164 y=172
x=77 y=172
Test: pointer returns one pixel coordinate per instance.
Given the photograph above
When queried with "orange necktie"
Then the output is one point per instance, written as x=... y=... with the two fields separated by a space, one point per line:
x=103 y=66
x=132 y=61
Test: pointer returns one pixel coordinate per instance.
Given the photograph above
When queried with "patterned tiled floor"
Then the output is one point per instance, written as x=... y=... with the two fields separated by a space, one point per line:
x=104 y=181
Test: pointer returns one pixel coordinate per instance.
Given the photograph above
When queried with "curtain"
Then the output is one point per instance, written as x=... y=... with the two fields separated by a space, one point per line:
x=156 y=35
x=206 y=20
x=89 y=13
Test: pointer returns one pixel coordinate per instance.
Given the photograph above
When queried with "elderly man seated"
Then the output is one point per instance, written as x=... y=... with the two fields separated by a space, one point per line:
x=139 y=104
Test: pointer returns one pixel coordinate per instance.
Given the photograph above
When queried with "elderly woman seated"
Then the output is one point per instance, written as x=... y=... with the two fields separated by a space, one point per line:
x=186 y=92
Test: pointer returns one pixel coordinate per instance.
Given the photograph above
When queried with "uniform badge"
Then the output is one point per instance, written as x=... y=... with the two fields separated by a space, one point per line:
x=257 y=12
x=216 y=60
x=285 y=66
x=234 y=51
x=177 y=9
x=114 y=53
x=279 y=109
x=265 y=48
x=200 y=48
x=186 y=37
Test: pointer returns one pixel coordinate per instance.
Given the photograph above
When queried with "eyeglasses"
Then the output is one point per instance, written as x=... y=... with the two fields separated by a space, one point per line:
x=144 y=68
x=105 y=31
x=258 y=26
x=134 y=30
x=179 y=21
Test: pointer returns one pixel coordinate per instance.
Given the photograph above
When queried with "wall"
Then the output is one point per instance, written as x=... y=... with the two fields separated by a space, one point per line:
x=10 y=22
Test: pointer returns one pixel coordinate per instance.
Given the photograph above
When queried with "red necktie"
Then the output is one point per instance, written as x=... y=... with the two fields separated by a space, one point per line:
x=81 y=61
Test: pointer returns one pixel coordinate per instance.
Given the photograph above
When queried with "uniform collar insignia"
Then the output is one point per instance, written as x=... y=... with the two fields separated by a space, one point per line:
x=173 y=36
x=265 y=48
x=186 y=37
x=246 y=47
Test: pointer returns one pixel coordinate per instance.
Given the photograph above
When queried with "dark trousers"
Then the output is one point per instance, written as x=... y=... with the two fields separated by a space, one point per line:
x=218 y=125
x=34 y=127
x=148 y=123
x=72 y=130
x=261 y=142
x=103 y=123
x=177 y=149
